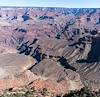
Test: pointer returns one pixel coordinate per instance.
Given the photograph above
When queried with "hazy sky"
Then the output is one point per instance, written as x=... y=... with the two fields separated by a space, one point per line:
x=53 y=3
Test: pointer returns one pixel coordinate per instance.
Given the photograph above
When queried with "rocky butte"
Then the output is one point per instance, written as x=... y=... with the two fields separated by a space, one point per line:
x=49 y=48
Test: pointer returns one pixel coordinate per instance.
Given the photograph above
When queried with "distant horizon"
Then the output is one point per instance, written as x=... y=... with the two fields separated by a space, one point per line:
x=51 y=3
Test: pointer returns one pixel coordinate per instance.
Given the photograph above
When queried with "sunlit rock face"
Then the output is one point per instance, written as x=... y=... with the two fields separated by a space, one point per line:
x=55 y=78
x=13 y=64
x=14 y=70
x=49 y=48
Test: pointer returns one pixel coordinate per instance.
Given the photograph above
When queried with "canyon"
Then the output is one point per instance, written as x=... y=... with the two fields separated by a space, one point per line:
x=52 y=48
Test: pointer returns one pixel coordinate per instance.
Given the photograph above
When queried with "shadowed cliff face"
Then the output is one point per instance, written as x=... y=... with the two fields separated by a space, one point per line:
x=64 y=63
x=94 y=54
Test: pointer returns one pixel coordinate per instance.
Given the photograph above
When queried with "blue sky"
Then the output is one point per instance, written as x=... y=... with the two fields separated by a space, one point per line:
x=53 y=3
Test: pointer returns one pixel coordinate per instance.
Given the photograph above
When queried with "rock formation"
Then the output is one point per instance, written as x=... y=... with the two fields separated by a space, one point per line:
x=53 y=48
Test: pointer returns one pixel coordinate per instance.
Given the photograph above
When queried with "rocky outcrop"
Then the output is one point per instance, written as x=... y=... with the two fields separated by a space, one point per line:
x=15 y=73
x=19 y=81
x=13 y=64
x=56 y=78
